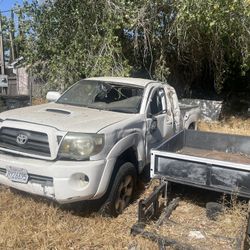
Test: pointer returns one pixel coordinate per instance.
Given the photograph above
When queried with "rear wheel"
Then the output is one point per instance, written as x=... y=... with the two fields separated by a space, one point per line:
x=192 y=126
x=122 y=190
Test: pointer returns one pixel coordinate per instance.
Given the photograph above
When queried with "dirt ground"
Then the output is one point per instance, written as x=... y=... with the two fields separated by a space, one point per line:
x=33 y=223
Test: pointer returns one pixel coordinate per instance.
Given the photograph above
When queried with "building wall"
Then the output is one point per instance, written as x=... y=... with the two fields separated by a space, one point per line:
x=22 y=81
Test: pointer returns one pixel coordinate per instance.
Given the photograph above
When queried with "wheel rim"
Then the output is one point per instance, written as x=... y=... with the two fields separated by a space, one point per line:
x=124 y=193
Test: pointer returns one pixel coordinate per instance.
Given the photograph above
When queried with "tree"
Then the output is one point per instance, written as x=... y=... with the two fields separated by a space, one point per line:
x=195 y=38
x=203 y=41
x=73 y=39
x=4 y=24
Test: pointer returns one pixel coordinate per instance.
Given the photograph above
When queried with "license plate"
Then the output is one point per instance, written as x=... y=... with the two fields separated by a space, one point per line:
x=17 y=174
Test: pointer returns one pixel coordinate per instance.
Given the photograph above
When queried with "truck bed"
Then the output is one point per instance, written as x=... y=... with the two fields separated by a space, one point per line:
x=215 y=161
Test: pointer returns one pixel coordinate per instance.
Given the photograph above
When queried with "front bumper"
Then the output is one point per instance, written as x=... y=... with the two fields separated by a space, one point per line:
x=63 y=181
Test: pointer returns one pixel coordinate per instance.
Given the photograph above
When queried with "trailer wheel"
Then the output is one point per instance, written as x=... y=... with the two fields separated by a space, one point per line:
x=122 y=190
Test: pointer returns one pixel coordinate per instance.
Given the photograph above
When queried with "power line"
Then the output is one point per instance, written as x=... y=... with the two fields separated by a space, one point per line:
x=6 y=11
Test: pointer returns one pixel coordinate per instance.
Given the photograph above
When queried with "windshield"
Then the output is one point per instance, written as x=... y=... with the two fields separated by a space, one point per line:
x=104 y=95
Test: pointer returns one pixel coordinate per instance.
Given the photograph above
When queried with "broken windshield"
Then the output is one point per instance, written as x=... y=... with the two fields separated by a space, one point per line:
x=104 y=95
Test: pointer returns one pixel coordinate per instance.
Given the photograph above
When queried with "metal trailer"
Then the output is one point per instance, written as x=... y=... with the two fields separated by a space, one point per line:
x=215 y=161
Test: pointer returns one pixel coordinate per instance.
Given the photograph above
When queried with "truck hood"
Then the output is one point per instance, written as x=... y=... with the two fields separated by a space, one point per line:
x=66 y=117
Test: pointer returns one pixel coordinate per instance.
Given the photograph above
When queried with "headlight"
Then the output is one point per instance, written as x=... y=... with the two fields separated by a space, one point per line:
x=78 y=146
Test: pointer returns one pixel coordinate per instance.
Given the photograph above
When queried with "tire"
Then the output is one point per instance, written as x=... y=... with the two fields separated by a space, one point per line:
x=192 y=126
x=122 y=190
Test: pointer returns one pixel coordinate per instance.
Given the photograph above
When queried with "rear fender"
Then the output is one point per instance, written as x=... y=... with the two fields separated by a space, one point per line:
x=191 y=118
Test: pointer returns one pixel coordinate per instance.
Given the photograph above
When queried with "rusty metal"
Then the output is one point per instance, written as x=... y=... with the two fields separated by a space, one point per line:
x=149 y=208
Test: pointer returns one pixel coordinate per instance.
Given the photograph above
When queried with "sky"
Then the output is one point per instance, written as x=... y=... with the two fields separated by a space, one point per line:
x=8 y=4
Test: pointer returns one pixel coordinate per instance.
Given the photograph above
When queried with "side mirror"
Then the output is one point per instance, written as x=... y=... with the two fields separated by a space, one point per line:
x=52 y=96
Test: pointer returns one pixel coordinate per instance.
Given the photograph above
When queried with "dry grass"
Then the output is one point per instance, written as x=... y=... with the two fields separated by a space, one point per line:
x=231 y=125
x=38 y=101
x=28 y=223
x=224 y=233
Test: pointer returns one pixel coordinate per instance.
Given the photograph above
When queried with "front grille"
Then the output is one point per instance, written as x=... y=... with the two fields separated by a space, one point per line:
x=37 y=143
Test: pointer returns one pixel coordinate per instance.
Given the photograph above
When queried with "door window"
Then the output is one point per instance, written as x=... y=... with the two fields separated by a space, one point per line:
x=157 y=105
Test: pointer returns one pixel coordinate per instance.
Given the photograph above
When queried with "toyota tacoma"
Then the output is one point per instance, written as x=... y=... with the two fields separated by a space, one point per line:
x=93 y=141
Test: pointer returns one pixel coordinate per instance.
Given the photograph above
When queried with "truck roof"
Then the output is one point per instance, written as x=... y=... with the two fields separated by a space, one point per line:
x=129 y=80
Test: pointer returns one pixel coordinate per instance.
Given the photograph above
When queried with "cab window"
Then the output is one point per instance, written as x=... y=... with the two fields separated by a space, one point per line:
x=157 y=103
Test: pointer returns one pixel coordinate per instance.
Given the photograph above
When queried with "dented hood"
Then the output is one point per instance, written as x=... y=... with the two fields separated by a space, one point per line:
x=66 y=117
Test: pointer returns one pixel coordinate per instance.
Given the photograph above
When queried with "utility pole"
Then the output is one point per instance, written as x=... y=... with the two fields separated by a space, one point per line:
x=12 y=46
x=1 y=47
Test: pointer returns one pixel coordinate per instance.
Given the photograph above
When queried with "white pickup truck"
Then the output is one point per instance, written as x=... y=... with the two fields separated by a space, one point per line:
x=91 y=142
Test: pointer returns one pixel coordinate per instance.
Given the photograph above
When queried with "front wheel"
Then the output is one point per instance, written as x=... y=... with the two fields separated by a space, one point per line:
x=122 y=190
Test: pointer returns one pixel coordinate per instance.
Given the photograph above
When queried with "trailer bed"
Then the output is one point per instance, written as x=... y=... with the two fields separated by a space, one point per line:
x=220 y=162
x=216 y=155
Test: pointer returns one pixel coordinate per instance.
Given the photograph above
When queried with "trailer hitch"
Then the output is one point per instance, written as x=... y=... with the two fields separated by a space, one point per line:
x=150 y=208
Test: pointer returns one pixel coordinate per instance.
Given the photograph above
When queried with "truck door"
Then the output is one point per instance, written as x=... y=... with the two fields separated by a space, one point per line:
x=159 y=120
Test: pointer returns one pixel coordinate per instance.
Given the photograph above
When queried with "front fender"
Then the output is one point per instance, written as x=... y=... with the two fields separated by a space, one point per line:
x=134 y=140
x=123 y=144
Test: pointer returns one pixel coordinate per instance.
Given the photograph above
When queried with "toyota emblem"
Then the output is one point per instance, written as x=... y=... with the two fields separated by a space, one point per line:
x=21 y=139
